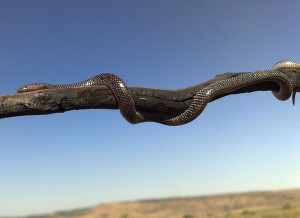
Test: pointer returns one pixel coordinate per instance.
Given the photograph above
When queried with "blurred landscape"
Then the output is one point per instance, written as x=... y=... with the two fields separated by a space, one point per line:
x=269 y=204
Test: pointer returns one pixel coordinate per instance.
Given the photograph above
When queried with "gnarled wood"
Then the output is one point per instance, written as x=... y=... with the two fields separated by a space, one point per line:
x=146 y=99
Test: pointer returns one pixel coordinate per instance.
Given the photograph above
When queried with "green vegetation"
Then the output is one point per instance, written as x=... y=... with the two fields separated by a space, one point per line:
x=287 y=206
x=188 y=216
x=124 y=215
x=227 y=215
x=247 y=213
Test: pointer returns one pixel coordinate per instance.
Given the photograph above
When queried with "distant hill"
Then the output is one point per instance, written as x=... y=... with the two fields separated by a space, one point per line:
x=285 y=203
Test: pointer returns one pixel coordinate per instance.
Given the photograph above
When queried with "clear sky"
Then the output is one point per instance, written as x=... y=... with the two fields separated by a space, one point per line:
x=82 y=158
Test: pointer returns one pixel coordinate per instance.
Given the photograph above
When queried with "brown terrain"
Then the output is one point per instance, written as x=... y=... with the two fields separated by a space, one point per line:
x=275 y=204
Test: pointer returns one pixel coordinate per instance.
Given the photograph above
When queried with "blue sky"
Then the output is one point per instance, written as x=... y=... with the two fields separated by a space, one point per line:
x=82 y=158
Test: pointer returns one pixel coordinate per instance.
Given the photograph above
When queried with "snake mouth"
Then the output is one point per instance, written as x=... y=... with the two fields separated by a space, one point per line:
x=31 y=87
x=22 y=89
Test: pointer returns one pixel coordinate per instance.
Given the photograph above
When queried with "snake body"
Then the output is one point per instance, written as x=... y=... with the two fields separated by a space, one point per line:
x=288 y=65
x=200 y=100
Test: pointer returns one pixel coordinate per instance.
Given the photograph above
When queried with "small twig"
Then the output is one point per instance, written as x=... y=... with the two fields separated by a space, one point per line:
x=146 y=99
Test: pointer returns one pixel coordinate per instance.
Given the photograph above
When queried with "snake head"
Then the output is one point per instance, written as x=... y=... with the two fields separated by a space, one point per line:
x=32 y=87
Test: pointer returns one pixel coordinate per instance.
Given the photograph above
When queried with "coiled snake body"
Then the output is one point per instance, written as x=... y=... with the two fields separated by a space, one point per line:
x=201 y=99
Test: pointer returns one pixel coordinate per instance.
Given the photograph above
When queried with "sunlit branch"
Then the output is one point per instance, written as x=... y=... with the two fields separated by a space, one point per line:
x=146 y=99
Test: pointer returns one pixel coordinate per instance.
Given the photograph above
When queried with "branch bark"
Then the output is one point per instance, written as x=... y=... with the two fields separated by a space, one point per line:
x=146 y=99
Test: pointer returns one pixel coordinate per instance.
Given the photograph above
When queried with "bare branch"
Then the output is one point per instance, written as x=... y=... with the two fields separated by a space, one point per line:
x=146 y=99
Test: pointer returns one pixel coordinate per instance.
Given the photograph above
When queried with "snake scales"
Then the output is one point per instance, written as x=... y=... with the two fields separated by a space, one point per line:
x=200 y=100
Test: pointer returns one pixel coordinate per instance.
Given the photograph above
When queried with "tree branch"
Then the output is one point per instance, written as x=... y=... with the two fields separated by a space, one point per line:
x=146 y=99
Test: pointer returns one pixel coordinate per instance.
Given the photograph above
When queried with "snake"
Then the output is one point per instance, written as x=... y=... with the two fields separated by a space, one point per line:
x=290 y=66
x=200 y=99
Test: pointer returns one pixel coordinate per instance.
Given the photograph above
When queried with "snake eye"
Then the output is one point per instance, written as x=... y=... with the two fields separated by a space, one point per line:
x=23 y=88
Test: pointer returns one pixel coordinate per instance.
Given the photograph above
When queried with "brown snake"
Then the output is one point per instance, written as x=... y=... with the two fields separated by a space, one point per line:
x=201 y=99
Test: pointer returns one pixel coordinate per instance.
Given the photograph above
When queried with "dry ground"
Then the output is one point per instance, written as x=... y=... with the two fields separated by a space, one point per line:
x=279 y=204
